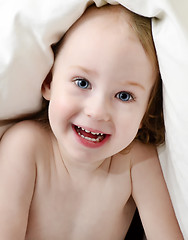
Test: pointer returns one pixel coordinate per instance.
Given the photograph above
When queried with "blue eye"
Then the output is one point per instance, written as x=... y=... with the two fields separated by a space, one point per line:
x=82 y=83
x=124 y=96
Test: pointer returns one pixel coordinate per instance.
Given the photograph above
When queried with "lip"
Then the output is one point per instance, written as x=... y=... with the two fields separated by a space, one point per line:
x=88 y=143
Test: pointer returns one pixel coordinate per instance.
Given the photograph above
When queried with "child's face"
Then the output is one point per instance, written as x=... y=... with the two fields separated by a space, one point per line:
x=101 y=82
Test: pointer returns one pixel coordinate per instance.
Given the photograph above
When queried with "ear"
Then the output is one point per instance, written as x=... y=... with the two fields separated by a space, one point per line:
x=46 y=86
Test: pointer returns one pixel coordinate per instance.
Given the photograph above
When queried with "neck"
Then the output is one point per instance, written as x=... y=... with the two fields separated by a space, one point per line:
x=86 y=170
x=78 y=169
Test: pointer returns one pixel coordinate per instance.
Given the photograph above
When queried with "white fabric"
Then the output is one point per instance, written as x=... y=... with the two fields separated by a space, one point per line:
x=29 y=27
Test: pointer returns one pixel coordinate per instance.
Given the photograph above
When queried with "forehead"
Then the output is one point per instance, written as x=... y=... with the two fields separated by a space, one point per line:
x=109 y=13
x=104 y=40
x=97 y=23
x=109 y=16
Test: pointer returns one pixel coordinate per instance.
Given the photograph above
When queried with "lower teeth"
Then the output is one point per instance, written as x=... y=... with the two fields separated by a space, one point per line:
x=90 y=139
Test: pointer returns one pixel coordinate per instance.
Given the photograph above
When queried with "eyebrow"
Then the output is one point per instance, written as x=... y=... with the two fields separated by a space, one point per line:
x=87 y=71
x=135 y=84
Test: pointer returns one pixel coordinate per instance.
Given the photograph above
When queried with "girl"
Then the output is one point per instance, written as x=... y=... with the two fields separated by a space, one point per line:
x=82 y=177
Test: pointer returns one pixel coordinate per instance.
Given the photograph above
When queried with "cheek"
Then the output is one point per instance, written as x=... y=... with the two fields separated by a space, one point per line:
x=54 y=113
x=62 y=109
x=128 y=126
x=124 y=136
x=58 y=108
x=129 y=130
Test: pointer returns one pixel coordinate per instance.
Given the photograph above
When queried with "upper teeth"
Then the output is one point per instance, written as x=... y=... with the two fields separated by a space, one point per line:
x=87 y=131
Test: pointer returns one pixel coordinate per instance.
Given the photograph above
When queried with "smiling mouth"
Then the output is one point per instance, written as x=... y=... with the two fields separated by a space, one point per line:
x=94 y=137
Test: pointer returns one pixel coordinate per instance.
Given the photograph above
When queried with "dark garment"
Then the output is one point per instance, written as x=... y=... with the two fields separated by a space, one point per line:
x=136 y=231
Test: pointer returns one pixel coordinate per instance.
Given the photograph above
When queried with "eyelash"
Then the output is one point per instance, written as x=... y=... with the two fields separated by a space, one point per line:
x=78 y=80
x=131 y=96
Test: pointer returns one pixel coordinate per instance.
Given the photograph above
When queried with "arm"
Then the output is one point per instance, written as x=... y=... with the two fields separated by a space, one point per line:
x=17 y=179
x=151 y=195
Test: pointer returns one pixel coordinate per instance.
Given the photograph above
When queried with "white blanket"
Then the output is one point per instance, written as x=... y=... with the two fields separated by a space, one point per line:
x=29 y=27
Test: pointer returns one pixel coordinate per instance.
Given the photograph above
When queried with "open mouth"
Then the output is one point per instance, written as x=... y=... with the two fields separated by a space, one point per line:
x=94 y=137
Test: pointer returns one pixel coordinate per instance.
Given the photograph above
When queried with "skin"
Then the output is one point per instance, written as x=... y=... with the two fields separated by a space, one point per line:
x=56 y=185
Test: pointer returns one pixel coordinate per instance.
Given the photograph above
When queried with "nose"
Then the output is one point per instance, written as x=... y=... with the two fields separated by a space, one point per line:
x=98 y=108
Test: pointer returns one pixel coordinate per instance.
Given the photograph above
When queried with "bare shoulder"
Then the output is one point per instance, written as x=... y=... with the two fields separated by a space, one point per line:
x=145 y=164
x=141 y=152
x=20 y=131
x=25 y=137
x=22 y=149
x=136 y=153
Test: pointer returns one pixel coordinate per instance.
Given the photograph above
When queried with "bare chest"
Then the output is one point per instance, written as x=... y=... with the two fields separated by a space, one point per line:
x=101 y=209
